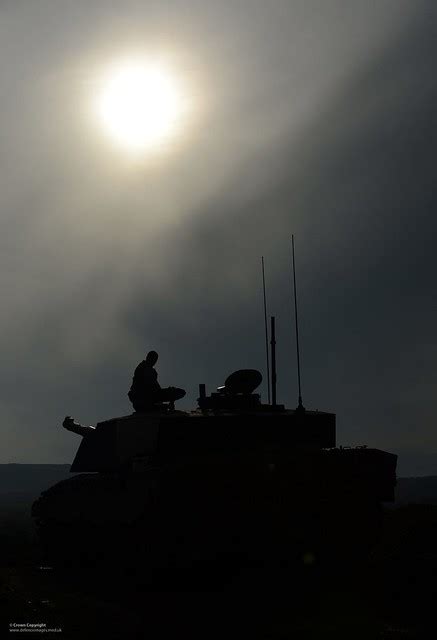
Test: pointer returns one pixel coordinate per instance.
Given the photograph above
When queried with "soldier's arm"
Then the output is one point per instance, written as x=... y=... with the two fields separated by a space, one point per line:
x=155 y=379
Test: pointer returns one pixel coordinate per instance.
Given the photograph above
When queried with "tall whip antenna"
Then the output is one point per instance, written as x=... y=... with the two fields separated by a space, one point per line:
x=300 y=405
x=273 y=343
x=266 y=331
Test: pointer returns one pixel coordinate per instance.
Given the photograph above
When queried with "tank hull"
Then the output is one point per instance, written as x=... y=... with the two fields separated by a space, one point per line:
x=254 y=508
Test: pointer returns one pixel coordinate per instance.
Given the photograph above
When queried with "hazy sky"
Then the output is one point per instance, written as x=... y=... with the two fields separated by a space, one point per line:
x=308 y=117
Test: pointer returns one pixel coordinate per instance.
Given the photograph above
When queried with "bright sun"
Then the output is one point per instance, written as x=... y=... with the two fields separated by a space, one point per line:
x=140 y=105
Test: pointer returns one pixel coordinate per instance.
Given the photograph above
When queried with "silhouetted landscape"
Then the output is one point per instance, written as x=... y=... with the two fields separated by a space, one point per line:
x=391 y=597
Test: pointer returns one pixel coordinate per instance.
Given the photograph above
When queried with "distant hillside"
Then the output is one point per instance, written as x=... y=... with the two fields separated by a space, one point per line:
x=20 y=486
x=416 y=490
x=29 y=479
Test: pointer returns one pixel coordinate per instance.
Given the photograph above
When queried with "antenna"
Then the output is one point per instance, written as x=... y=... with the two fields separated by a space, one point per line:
x=273 y=343
x=300 y=405
x=266 y=331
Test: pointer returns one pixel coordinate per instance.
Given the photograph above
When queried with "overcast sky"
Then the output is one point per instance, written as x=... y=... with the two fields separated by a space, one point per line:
x=312 y=117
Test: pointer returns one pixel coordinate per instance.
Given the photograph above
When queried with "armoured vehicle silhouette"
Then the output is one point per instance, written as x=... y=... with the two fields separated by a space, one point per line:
x=233 y=482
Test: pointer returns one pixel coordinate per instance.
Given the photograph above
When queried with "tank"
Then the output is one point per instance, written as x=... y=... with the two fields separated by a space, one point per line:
x=233 y=483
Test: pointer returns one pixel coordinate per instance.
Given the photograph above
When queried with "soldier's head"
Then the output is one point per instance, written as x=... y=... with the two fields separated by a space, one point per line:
x=151 y=358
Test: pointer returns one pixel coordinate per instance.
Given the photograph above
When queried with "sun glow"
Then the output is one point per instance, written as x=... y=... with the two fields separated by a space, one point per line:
x=141 y=105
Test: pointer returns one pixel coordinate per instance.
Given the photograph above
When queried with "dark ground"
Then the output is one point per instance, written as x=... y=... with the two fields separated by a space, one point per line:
x=393 y=596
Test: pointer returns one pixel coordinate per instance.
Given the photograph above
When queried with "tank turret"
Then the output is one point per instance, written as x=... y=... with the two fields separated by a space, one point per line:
x=230 y=420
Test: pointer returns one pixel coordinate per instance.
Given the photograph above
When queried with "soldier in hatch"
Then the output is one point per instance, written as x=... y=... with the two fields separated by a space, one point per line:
x=145 y=392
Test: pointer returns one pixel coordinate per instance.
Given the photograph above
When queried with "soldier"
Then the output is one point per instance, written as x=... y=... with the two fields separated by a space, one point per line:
x=146 y=393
